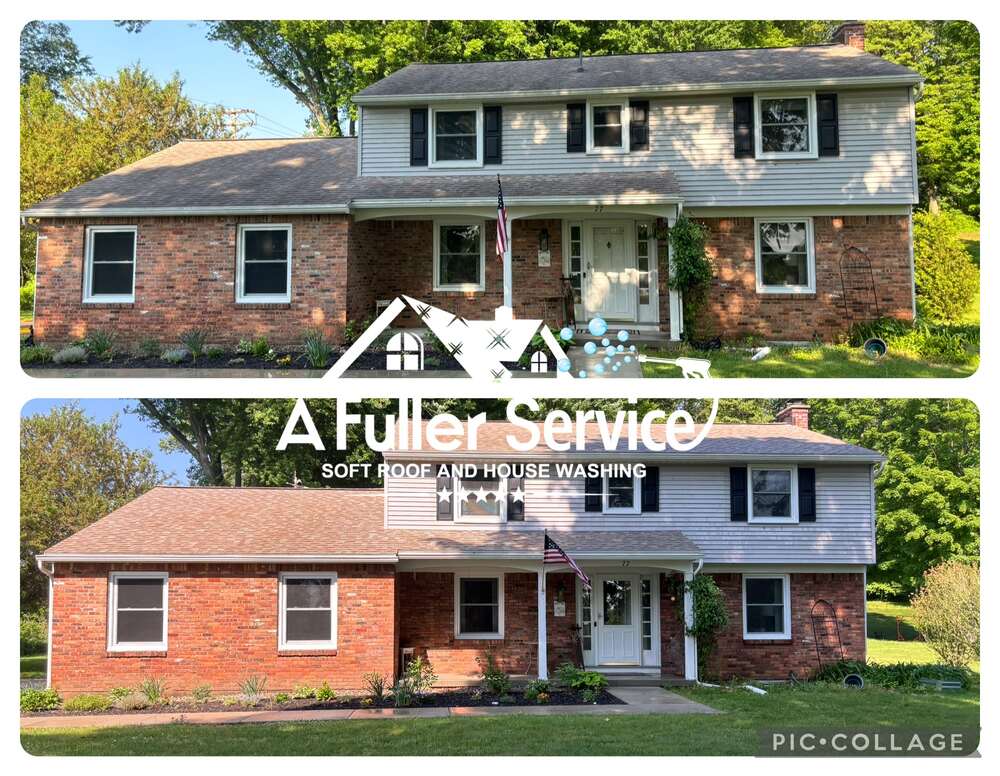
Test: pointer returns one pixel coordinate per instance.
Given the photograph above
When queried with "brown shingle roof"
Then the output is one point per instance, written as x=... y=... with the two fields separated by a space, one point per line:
x=261 y=523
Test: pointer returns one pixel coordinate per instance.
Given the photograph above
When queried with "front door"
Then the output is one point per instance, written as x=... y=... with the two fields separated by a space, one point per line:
x=617 y=620
x=612 y=280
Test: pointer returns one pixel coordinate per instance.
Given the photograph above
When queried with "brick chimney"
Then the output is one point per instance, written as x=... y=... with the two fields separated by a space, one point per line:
x=850 y=33
x=795 y=414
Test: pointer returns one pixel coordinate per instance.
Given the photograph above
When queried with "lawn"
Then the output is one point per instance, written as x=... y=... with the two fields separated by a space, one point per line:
x=885 y=647
x=32 y=666
x=734 y=732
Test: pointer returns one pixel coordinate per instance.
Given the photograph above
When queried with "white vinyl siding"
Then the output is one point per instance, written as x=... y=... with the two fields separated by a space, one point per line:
x=692 y=137
x=693 y=499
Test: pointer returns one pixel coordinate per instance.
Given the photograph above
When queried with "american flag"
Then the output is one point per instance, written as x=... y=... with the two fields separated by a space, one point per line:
x=501 y=223
x=555 y=554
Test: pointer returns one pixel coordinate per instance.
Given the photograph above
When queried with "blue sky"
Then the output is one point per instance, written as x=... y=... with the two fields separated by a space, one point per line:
x=212 y=72
x=132 y=430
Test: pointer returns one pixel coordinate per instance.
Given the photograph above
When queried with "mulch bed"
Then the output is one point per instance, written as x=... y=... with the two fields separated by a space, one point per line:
x=438 y=699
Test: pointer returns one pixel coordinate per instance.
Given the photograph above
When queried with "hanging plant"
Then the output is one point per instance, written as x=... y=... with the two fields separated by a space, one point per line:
x=691 y=270
x=710 y=614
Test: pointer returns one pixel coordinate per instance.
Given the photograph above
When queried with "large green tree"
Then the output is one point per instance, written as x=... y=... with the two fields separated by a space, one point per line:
x=48 y=51
x=73 y=471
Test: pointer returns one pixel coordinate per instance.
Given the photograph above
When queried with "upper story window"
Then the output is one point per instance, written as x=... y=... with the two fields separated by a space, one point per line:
x=767 y=611
x=109 y=273
x=459 y=256
x=787 y=126
x=608 y=127
x=264 y=263
x=480 y=499
x=307 y=611
x=786 y=260
x=456 y=137
x=137 y=617
x=621 y=495
x=773 y=494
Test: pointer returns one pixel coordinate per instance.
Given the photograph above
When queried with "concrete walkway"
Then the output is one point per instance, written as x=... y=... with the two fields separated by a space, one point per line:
x=638 y=700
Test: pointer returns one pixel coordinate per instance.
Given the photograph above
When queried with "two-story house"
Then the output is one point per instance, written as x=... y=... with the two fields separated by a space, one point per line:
x=205 y=585
x=800 y=162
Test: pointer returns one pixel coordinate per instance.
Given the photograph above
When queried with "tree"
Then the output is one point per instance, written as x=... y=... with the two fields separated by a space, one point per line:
x=73 y=472
x=946 y=612
x=48 y=51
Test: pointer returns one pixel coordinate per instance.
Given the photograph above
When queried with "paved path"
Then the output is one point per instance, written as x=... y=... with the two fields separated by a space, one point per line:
x=638 y=700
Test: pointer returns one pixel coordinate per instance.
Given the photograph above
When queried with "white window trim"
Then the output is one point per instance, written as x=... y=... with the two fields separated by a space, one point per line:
x=457 y=498
x=635 y=509
x=89 y=297
x=432 y=136
x=794 y=470
x=299 y=646
x=466 y=287
x=626 y=121
x=810 y=98
x=786 y=608
x=241 y=297
x=810 y=287
x=458 y=603
x=135 y=646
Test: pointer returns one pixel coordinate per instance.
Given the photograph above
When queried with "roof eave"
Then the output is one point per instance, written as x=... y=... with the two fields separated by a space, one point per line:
x=248 y=210
x=903 y=79
x=70 y=557
x=643 y=455
x=512 y=201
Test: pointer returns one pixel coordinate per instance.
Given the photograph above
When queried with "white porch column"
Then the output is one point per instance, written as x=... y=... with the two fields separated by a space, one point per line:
x=676 y=303
x=690 y=642
x=543 y=646
x=508 y=271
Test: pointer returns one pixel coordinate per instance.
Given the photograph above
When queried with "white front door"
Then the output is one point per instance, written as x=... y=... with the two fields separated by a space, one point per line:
x=617 y=610
x=612 y=280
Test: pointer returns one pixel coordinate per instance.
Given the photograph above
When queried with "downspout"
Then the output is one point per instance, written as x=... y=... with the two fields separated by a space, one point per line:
x=48 y=649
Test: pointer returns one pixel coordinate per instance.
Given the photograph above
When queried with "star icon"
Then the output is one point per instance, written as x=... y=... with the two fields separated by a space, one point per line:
x=481 y=495
x=517 y=494
x=444 y=494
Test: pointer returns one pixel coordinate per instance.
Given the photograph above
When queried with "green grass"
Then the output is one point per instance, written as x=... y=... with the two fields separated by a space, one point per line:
x=811 y=361
x=883 y=644
x=733 y=733
x=32 y=666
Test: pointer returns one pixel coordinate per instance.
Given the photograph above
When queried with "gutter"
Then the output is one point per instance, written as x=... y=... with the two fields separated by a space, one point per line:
x=48 y=646
x=628 y=199
x=905 y=79
x=131 y=558
x=248 y=210
x=595 y=455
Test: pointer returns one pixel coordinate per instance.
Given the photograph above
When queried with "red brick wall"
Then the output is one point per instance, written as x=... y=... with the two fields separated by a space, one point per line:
x=427 y=606
x=735 y=309
x=184 y=279
x=672 y=625
x=764 y=659
x=222 y=626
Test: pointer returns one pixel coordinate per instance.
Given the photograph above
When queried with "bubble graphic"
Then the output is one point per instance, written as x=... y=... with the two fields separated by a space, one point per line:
x=628 y=359
x=564 y=365
x=631 y=348
x=582 y=374
x=610 y=350
x=597 y=327
x=599 y=369
x=607 y=359
x=616 y=367
x=605 y=342
x=566 y=333
x=623 y=336
x=620 y=348
x=590 y=348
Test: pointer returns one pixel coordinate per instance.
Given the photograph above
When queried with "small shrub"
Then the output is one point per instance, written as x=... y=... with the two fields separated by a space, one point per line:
x=133 y=701
x=402 y=694
x=252 y=688
x=543 y=697
x=244 y=347
x=420 y=674
x=301 y=692
x=285 y=360
x=354 y=329
x=202 y=693
x=36 y=354
x=39 y=700
x=325 y=693
x=149 y=347
x=214 y=351
x=34 y=632
x=590 y=695
x=154 y=690
x=100 y=344
x=259 y=348
x=88 y=703
x=566 y=674
x=28 y=296
x=317 y=350
x=495 y=679
x=175 y=355
x=281 y=697
x=117 y=693
x=71 y=354
x=946 y=611
x=590 y=684
x=893 y=676
x=194 y=341
x=536 y=688
x=939 y=343
x=945 y=277
x=367 y=702
x=375 y=684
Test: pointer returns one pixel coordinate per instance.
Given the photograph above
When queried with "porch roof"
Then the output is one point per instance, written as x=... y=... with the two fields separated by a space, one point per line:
x=298 y=525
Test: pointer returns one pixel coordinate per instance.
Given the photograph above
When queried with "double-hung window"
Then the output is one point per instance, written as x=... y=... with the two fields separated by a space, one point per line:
x=459 y=256
x=137 y=617
x=264 y=265
x=622 y=495
x=479 y=607
x=773 y=494
x=480 y=498
x=608 y=127
x=785 y=256
x=457 y=137
x=766 y=606
x=109 y=273
x=786 y=126
x=307 y=611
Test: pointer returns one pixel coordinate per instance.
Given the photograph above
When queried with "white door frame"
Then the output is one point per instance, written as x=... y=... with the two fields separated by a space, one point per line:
x=628 y=226
x=646 y=658
x=636 y=619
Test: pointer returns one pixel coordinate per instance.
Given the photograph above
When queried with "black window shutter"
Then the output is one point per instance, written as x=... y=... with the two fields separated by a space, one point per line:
x=651 y=489
x=576 y=127
x=418 y=137
x=738 y=494
x=592 y=500
x=515 y=509
x=807 y=495
x=829 y=124
x=492 y=124
x=638 y=125
x=445 y=510
x=743 y=127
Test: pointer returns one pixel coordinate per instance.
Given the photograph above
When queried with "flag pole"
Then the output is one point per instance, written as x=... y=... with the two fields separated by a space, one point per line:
x=508 y=274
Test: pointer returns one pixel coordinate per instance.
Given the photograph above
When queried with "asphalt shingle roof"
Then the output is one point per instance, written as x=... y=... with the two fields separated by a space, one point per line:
x=686 y=68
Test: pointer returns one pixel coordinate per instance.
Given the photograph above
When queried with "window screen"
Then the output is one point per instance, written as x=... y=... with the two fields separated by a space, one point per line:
x=265 y=262
x=112 y=263
x=479 y=605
